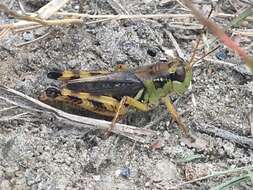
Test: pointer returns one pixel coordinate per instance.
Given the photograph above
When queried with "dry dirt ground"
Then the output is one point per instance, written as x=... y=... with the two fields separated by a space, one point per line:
x=38 y=154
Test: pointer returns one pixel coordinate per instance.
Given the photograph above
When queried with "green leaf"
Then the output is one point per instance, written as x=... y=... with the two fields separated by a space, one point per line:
x=189 y=158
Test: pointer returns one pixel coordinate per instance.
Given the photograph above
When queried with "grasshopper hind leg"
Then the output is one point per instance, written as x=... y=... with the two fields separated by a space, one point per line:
x=52 y=92
x=55 y=93
x=102 y=105
x=53 y=96
x=74 y=104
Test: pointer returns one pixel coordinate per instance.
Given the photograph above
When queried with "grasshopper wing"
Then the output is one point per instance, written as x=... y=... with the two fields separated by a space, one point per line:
x=115 y=84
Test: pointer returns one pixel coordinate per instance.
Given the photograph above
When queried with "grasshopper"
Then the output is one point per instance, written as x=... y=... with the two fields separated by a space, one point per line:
x=111 y=93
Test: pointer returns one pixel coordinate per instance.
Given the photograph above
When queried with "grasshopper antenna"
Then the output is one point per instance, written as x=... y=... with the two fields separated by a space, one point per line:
x=208 y=53
x=194 y=52
x=191 y=62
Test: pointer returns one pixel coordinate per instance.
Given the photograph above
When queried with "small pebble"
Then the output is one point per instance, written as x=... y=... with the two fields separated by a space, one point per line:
x=124 y=172
x=152 y=52
x=96 y=177
x=222 y=54
x=27 y=36
x=76 y=7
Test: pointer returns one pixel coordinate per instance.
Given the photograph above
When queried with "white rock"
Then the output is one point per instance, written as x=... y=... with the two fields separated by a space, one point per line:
x=165 y=170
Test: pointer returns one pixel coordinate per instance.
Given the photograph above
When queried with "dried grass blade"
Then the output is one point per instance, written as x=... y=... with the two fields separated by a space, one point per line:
x=51 y=8
x=246 y=13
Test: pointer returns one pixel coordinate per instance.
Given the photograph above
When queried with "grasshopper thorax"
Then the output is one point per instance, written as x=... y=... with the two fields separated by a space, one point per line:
x=166 y=78
x=174 y=76
x=180 y=75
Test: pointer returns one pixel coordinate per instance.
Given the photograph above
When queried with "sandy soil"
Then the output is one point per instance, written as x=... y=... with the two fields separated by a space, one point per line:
x=39 y=154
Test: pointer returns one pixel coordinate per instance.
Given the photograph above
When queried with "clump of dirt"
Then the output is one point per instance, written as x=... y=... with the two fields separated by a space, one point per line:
x=39 y=154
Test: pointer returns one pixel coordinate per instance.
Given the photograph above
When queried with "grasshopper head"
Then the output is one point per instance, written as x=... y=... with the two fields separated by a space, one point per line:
x=183 y=71
x=180 y=71
x=181 y=76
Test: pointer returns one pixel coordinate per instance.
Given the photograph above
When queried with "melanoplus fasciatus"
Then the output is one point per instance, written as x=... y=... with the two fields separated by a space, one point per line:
x=110 y=93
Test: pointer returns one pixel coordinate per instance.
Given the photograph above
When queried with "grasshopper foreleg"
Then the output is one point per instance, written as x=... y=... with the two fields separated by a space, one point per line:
x=176 y=117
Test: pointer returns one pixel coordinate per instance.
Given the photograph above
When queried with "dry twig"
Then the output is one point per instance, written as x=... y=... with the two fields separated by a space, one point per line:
x=224 y=134
x=141 y=16
x=49 y=9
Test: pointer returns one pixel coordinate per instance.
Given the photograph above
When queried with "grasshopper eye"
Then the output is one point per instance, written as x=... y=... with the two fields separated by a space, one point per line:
x=179 y=74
